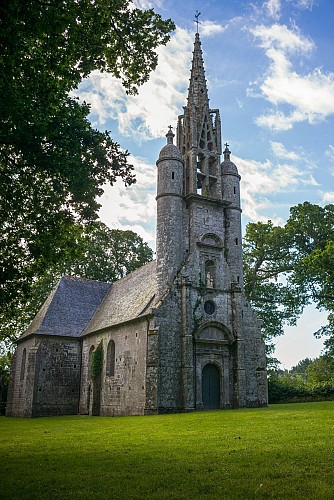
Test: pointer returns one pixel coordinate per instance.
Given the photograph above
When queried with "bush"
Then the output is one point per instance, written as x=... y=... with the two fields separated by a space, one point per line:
x=281 y=391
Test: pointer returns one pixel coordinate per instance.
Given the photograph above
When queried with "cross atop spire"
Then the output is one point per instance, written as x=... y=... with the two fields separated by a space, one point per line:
x=196 y=19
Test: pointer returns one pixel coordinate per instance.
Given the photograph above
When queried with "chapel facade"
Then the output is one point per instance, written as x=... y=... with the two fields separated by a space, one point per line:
x=175 y=335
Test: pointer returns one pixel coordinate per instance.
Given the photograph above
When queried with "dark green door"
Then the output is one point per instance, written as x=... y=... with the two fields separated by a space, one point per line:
x=211 y=387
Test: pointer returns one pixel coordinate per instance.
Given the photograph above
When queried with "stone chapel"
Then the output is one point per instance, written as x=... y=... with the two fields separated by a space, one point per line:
x=175 y=335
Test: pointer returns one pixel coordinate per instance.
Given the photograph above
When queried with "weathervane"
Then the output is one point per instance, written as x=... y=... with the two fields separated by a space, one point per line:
x=196 y=18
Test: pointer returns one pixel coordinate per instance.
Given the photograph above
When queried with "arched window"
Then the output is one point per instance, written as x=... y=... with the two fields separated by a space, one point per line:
x=23 y=364
x=110 y=370
x=90 y=359
x=210 y=272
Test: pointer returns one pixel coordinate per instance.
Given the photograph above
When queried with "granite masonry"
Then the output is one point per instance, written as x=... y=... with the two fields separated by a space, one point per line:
x=175 y=335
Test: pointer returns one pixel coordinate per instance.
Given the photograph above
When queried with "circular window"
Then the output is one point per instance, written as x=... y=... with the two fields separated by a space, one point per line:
x=209 y=307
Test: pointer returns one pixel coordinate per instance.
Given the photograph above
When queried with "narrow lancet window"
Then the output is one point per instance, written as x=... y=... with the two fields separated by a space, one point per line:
x=111 y=359
x=23 y=364
x=90 y=360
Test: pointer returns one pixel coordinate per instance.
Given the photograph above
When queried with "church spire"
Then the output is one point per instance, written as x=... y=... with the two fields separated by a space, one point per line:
x=198 y=94
x=198 y=134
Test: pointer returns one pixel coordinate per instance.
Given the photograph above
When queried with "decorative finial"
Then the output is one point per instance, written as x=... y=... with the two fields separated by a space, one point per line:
x=227 y=152
x=196 y=19
x=170 y=135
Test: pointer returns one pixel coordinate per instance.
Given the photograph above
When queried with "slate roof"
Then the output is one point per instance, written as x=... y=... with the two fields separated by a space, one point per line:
x=127 y=299
x=69 y=307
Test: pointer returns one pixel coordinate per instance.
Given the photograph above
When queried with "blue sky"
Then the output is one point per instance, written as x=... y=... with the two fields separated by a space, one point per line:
x=270 y=70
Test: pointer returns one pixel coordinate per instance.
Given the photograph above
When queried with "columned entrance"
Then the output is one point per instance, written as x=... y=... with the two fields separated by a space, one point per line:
x=211 y=387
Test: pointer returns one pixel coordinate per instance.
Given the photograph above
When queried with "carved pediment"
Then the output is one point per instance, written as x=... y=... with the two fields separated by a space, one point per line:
x=211 y=240
x=215 y=333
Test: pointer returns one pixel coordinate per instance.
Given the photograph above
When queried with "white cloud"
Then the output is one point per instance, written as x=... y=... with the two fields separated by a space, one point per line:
x=273 y=8
x=330 y=153
x=305 y=4
x=280 y=37
x=328 y=197
x=133 y=207
x=280 y=152
x=210 y=28
x=147 y=4
x=302 y=4
x=239 y=103
x=310 y=96
x=158 y=102
x=260 y=180
x=278 y=120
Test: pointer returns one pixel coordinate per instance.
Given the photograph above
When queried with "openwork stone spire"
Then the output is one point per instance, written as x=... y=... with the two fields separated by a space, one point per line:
x=198 y=134
x=198 y=93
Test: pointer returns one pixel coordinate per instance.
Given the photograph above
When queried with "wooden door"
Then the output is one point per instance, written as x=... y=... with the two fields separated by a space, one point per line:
x=211 y=387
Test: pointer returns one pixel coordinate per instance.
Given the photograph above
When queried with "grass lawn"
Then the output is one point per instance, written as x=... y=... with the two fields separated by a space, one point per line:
x=284 y=451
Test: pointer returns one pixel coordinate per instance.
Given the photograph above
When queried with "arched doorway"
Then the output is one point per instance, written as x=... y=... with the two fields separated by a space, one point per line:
x=211 y=387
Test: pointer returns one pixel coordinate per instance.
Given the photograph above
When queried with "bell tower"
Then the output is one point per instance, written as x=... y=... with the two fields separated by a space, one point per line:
x=208 y=335
x=198 y=135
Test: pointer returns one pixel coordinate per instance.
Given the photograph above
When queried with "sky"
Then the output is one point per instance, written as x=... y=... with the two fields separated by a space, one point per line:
x=270 y=70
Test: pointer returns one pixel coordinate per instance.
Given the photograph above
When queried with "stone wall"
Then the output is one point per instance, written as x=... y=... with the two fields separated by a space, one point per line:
x=22 y=378
x=122 y=392
x=47 y=381
x=57 y=379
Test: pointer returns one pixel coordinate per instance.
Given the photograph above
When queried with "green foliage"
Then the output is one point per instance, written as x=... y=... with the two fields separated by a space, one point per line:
x=108 y=254
x=284 y=451
x=53 y=164
x=97 y=362
x=5 y=361
x=301 y=368
x=309 y=380
x=286 y=268
x=281 y=391
x=321 y=370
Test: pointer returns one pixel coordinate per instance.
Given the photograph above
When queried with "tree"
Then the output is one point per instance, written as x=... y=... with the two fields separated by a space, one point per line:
x=321 y=370
x=288 y=267
x=267 y=264
x=101 y=254
x=53 y=164
x=301 y=367
x=5 y=361
x=311 y=229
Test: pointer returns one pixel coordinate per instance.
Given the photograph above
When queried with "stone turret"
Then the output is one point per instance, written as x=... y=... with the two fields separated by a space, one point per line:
x=169 y=213
x=233 y=236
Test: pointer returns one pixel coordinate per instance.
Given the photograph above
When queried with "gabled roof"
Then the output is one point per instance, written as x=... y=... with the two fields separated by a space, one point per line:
x=127 y=299
x=69 y=308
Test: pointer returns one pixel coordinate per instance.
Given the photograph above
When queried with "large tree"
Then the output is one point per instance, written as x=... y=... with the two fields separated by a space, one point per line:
x=53 y=164
x=288 y=267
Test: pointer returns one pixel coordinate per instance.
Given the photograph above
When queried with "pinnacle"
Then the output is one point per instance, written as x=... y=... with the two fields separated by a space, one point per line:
x=197 y=89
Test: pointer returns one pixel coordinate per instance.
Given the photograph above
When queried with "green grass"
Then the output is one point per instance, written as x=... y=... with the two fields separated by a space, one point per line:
x=284 y=451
